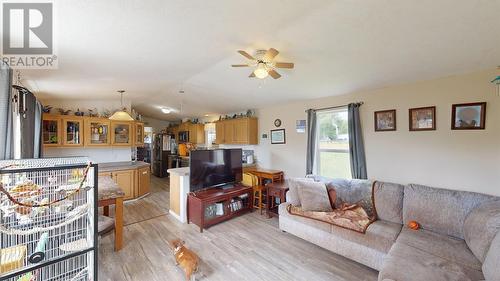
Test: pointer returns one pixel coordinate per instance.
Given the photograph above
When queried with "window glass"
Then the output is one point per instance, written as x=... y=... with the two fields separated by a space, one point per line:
x=333 y=144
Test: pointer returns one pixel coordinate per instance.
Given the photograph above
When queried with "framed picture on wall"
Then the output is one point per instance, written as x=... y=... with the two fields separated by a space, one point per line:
x=423 y=118
x=385 y=120
x=278 y=136
x=468 y=116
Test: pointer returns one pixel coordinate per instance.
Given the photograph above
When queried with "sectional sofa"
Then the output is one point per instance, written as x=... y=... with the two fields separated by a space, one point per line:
x=458 y=238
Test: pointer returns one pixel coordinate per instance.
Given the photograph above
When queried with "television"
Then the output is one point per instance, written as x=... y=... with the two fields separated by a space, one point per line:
x=215 y=168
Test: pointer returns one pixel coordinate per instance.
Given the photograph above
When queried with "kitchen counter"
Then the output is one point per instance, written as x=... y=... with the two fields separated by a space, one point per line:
x=184 y=171
x=117 y=166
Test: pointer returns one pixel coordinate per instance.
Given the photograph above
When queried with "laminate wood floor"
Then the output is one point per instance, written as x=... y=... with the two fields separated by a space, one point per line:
x=249 y=247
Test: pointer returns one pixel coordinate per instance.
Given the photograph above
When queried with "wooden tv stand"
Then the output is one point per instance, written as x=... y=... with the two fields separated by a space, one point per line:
x=215 y=205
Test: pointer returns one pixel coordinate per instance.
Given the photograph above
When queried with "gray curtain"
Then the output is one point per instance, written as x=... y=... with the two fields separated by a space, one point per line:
x=311 y=141
x=356 y=145
x=6 y=133
x=31 y=122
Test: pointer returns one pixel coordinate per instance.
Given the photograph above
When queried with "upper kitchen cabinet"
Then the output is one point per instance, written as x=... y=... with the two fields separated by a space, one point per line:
x=121 y=133
x=51 y=130
x=97 y=132
x=139 y=134
x=237 y=131
x=197 y=133
x=73 y=128
x=219 y=132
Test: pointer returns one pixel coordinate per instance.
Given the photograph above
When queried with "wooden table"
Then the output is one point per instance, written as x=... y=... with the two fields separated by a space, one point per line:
x=110 y=194
x=263 y=174
x=273 y=191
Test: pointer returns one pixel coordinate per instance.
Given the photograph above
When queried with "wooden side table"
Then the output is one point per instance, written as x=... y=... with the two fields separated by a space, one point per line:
x=275 y=190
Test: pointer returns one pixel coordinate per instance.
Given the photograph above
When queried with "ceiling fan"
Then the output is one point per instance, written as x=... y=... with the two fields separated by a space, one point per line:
x=264 y=63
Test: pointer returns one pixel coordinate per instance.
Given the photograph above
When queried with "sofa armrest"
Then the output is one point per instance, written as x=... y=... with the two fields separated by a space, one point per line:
x=282 y=208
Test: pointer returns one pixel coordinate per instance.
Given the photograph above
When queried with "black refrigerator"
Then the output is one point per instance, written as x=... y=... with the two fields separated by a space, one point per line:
x=163 y=146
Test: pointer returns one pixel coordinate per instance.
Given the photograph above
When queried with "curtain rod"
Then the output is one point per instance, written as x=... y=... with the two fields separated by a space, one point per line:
x=334 y=107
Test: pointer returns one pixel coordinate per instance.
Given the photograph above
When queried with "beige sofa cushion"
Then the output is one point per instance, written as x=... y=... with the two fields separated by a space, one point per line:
x=492 y=262
x=380 y=235
x=389 y=201
x=440 y=210
x=292 y=196
x=481 y=226
x=408 y=263
x=453 y=249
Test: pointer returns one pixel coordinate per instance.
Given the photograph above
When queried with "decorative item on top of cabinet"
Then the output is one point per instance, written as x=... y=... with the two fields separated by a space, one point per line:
x=121 y=133
x=97 y=132
x=51 y=130
x=72 y=131
x=236 y=131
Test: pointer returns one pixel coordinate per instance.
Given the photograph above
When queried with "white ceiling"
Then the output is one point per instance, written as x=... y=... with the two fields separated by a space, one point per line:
x=154 y=48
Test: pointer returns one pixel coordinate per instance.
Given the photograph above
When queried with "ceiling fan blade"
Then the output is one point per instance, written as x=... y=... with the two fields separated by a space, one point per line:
x=283 y=64
x=274 y=74
x=252 y=75
x=240 y=65
x=246 y=55
x=270 y=54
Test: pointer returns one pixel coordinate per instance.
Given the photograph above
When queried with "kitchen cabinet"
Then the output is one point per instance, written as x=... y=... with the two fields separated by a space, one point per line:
x=144 y=178
x=121 y=133
x=125 y=180
x=219 y=132
x=73 y=128
x=97 y=132
x=139 y=133
x=197 y=133
x=237 y=131
x=79 y=131
x=51 y=130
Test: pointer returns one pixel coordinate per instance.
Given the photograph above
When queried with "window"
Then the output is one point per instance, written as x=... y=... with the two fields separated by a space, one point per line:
x=332 y=157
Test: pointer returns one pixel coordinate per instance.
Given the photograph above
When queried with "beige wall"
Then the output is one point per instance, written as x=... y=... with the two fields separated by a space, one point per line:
x=465 y=160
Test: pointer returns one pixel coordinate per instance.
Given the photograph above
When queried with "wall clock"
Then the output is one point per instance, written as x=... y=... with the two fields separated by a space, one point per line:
x=277 y=123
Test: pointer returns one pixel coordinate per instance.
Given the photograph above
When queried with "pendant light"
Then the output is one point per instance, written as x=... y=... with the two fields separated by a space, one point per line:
x=121 y=115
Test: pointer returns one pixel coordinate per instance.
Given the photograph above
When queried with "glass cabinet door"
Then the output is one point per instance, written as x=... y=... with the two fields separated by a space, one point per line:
x=121 y=133
x=98 y=133
x=139 y=134
x=50 y=131
x=73 y=132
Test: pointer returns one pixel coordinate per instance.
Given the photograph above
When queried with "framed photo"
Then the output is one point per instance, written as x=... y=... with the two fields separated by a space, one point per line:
x=278 y=136
x=385 y=120
x=423 y=118
x=468 y=116
x=301 y=126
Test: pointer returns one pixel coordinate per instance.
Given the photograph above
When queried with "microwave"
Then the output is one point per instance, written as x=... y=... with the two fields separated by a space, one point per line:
x=184 y=136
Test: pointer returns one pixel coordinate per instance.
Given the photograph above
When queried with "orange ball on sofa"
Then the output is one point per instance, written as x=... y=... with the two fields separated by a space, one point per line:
x=414 y=225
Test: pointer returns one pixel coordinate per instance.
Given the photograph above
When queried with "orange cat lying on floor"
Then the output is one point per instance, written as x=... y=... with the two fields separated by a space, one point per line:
x=185 y=258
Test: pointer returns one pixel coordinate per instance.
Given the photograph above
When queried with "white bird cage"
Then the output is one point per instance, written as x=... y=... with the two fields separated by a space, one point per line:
x=48 y=219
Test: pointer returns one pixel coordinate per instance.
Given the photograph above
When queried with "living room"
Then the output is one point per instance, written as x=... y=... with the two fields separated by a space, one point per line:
x=264 y=140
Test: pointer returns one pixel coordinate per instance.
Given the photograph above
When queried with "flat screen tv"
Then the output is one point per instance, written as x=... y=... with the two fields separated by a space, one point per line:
x=214 y=168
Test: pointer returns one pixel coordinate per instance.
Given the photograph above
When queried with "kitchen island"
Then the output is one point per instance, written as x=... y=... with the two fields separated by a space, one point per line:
x=133 y=177
x=179 y=188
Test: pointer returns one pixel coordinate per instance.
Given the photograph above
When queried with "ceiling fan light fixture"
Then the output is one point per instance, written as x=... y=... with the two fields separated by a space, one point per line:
x=261 y=71
x=166 y=110
x=121 y=115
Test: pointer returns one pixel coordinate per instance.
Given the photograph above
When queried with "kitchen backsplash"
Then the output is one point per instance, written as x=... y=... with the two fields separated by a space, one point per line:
x=97 y=155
